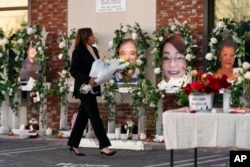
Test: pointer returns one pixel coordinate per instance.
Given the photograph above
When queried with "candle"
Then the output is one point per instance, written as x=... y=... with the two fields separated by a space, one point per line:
x=48 y=131
x=21 y=127
x=117 y=132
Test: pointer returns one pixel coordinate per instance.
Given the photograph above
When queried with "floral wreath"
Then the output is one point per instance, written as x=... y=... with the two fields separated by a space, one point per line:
x=173 y=28
x=4 y=59
x=36 y=35
x=144 y=91
x=228 y=27
x=62 y=86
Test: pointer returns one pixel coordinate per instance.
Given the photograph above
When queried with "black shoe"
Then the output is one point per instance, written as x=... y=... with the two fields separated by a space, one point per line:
x=77 y=154
x=108 y=154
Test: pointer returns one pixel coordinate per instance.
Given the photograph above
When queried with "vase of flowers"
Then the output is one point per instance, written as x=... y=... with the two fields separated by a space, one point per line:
x=246 y=95
x=242 y=84
x=202 y=88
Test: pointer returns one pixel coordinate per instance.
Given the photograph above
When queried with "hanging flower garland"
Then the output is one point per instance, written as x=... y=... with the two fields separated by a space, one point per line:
x=173 y=28
x=62 y=86
x=4 y=68
x=225 y=27
x=140 y=92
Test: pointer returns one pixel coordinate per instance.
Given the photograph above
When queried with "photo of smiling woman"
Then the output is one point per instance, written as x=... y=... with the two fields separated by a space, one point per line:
x=226 y=58
x=174 y=63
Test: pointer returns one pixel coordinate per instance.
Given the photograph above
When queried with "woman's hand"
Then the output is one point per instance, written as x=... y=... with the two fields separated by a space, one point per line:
x=92 y=82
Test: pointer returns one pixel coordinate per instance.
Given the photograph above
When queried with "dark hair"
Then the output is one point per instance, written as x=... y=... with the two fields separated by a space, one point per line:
x=82 y=37
x=229 y=42
x=125 y=41
x=28 y=45
x=176 y=41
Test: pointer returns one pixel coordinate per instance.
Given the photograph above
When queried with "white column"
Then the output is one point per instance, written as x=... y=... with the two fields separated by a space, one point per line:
x=142 y=121
x=111 y=121
x=63 y=116
x=16 y=114
x=5 y=115
x=159 y=118
x=43 y=117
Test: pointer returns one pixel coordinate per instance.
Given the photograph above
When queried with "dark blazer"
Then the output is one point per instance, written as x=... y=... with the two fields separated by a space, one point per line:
x=81 y=63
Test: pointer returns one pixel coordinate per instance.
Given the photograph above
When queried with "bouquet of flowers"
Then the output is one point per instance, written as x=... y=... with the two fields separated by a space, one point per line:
x=203 y=82
x=103 y=70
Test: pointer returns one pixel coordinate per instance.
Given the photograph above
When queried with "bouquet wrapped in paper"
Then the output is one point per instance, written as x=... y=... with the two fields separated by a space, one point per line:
x=103 y=70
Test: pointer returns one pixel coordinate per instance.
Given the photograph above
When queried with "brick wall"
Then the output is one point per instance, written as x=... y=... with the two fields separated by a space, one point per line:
x=53 y=15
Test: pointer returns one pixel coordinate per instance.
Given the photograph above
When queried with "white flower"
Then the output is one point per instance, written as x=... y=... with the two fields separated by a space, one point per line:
x=247 y=75
x=42 y=95
x=236 y=71
x=3 y=92
x=189 y=57
x=64 y=72
x=157 y=70
x=209 y=56
x=173 y=27
x=240 y=70
x=62 y=44
x=39 y=48
x=239 y=80
x=184 y=22
x=111 y=82
x=245 y=65
x=220 y=24
x=213 y=40
x=134 y=36
x=111 y=44
x=152 y=105
x=139 y=62
x=5 y=41
x=1 y=54
x=160 y=39
x=29 y=30
x=111 y=93
x=130 y=71
x=139 y=93
x=20 y=41
x=124 y=29
x=60 y=56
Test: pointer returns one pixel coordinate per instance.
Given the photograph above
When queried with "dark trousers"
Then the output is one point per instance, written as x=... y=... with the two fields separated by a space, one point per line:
x=88 y=110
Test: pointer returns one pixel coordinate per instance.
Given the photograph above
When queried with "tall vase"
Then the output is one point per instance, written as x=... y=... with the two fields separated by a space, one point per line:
x=246 y=95
x=226 y=100
x=200 y=102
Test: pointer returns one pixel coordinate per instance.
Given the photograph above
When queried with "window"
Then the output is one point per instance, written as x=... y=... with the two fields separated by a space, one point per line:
x=13 y=13
x=238 y=10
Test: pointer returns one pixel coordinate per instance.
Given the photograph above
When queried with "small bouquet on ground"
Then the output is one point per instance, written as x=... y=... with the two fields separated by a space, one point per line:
x=103 y=70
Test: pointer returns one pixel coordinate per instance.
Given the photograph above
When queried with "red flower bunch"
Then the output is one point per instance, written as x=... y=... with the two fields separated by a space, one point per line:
x=202 y=82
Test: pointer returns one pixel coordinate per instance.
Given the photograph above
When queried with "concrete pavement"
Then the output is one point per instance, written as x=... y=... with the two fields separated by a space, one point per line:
x=53 y=152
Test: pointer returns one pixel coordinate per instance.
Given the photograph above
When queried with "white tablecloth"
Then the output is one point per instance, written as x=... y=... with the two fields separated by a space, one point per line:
x=192 y=130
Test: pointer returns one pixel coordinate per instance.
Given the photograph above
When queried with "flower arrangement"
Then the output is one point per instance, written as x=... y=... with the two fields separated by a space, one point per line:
x=239 y=86
x=129 y=128
x=4 y=59
x=223 y=28
x=140 y=93
x=206 y=83
x=62 y=86
x=173 y=28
